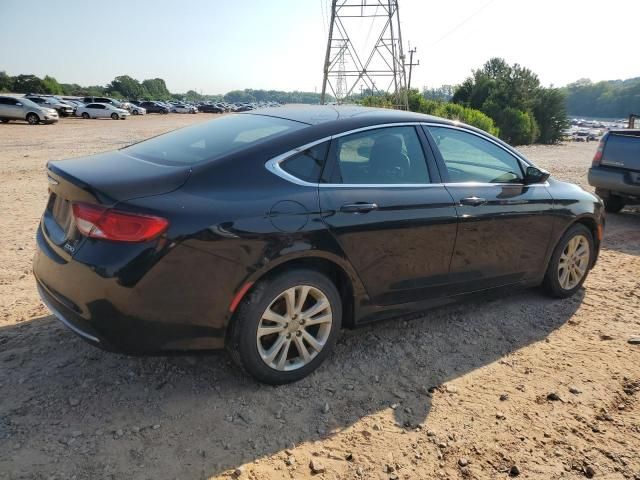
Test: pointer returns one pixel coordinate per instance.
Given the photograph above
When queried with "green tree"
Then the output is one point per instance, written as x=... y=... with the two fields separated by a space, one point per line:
x=52 y=86
x=156 y=89
x=126 y=87
x=193 y=96
x=551 y=114
x=512 y=96
x=611 y=98
x=28 y=84
x=6 y=82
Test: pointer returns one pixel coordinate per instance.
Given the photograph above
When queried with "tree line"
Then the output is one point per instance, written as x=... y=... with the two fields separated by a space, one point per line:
x=127 y=87
x=611 y=98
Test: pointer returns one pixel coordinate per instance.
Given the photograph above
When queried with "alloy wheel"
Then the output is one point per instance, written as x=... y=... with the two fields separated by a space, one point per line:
x=294 y=328
x=573 y=263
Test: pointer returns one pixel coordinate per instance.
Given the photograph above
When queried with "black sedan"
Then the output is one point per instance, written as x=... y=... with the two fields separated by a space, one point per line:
x=208 y=108
x=267 y=232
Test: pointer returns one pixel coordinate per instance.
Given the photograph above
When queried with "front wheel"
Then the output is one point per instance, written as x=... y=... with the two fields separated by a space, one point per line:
x=85 y=115
x=33 y=119
x=135 y=112
x=114 y=116
x=286 y=326
x=570 y=262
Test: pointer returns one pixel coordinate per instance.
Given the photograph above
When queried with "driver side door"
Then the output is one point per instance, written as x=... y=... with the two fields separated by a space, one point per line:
x=505 y=226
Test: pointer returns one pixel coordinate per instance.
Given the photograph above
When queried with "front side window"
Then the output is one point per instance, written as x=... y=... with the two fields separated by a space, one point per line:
x=307 y=165
x=212 y=139
x=470 y=158
x=388 y=156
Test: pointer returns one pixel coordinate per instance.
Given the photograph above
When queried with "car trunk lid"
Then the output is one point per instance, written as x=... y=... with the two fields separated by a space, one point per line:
x=104 y=179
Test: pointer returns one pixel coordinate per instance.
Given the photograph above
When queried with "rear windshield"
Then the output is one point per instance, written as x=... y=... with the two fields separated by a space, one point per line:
x=211 y=139
x=622 y=150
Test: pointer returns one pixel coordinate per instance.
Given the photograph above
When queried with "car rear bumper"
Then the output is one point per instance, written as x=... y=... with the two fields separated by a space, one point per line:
x=117 y=309
x=617 y=181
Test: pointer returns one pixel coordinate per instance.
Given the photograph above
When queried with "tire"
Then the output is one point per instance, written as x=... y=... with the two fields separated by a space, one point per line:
x=575 y=277
x=4 y=120
x=135 y=112
x=85 y=115
x=33 y=119
x=251 y=352
x=114 y=116
x=613 y=204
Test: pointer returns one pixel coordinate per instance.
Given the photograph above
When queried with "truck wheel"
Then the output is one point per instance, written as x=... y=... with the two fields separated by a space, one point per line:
x=613 y=204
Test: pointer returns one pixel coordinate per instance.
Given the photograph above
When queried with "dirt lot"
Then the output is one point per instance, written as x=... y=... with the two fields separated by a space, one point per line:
x=524 y=384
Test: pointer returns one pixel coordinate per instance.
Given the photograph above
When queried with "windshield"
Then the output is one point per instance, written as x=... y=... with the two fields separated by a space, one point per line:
x=211 y=139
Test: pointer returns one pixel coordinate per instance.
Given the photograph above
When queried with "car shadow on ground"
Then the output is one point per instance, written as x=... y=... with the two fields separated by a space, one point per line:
x=77 y=411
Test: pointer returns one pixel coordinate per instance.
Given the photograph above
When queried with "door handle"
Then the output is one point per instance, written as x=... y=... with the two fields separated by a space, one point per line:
x=358 y=207
x=473 y=201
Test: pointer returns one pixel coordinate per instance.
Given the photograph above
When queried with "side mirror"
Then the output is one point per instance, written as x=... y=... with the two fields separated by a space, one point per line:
x=535 y=175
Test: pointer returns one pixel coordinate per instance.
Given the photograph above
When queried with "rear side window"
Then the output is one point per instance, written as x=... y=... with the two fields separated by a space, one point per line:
x=212 y=139
x=622 y=150
x=307 y=165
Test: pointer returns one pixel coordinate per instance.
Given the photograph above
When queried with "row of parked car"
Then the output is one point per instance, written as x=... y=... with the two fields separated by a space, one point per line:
x=49 y=108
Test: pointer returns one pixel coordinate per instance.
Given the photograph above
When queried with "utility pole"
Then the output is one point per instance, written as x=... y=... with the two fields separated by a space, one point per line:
x=380 y=62
x=411 y=65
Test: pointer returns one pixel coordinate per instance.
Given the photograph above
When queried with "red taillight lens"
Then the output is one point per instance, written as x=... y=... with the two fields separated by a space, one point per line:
x=597 y=158
x=99 y=222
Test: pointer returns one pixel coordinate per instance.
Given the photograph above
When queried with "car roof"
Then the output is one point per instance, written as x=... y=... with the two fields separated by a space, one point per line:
x=317 y=114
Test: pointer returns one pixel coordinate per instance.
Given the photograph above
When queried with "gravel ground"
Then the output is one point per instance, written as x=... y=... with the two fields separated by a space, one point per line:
x=518 y=386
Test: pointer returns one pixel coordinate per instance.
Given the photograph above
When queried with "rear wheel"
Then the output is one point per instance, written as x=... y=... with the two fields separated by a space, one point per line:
x=33 y=119
x=114 y=116
x=613 y=204
x=570 y=262
x=85 y=115
x=286 y=326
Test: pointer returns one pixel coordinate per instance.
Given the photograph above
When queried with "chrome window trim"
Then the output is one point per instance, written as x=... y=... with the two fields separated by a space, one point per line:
x=273 y=165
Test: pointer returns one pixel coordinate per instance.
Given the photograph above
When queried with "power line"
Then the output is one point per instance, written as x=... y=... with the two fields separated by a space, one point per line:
x=461 y=23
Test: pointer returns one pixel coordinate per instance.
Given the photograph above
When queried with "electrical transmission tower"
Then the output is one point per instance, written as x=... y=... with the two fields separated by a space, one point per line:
x=375 y=64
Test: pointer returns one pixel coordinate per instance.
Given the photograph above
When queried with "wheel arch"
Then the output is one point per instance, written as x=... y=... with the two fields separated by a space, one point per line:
x=590 y=222
x=335 y=268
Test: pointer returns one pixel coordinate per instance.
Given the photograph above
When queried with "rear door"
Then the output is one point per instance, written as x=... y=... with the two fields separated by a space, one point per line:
x=385 y=205
x=505 y=226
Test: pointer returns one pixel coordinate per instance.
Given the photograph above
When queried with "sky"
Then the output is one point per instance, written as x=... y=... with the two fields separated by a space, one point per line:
x=214 y=46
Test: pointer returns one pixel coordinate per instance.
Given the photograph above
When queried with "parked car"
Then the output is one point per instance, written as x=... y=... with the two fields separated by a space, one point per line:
x=12 y=108
x=207 y=108
x=110 y=101
x=102 y=110
x=154 y=107
x=136 y=109
x=75 y=104
x=63 y=108
x=182 y=108
x=266 y=232
x=615 y=171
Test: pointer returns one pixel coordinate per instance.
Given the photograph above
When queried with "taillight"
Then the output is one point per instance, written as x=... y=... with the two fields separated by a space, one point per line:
x=99 y=222
x=597 y=158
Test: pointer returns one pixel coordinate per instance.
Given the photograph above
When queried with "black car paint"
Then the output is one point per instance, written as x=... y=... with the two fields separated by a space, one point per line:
x=229 y=229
